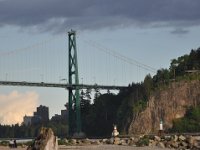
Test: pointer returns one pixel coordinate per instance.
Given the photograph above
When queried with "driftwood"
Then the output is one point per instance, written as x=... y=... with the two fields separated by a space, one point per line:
x=45 y=141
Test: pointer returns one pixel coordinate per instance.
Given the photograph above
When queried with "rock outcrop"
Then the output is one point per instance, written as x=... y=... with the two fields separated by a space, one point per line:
x=168 y=104
x=45 y=141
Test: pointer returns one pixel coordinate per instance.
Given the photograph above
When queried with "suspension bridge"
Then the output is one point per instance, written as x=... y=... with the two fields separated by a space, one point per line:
x=73 y=86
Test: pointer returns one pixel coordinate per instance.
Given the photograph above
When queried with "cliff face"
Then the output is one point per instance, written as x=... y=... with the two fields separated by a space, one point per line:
x=169 y=103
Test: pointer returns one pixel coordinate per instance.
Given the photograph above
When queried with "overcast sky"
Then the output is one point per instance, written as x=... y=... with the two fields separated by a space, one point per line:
x=151 y=32
x=57 y=15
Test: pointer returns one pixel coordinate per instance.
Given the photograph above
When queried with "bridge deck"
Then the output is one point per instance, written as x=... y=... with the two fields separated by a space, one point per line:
x=61 y=85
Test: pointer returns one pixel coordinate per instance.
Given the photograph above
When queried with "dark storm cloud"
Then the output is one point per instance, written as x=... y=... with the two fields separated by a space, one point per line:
x=179 y=31
x=57 y=15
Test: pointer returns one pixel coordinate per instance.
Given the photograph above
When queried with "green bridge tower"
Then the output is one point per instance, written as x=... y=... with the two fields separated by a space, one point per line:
x=74 y=120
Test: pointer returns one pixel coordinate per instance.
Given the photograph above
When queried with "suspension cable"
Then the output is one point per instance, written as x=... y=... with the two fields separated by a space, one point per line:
x=119 y=56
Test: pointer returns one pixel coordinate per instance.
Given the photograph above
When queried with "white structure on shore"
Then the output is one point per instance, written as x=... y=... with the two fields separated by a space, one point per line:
x=115 y=132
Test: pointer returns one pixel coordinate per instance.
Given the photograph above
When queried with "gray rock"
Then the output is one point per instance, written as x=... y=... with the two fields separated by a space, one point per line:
x=167 y=138
x=197 y=138
x=191 y=140
x=196 y=144
x=73 y=141
x=136 y=139
x=110 y=141
x=131 y=142
x=116 y=141
x=123 y=142
x=157 y=138
x=184 y=144
x=86 y=141
x=168 y=144
x=132 y=138
x=175 y=138
x=181 y=138
x=66 y=141
x=175 y=144
x=104 y=141
x=79 y=142
x=161 y=145
x=152 y=143
x=96 y=142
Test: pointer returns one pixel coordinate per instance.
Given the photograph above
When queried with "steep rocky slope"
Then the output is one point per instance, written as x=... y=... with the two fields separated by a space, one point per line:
x=168 y=103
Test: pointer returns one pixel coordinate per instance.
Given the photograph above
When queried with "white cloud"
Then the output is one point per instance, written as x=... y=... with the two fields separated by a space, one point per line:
x=15 y=105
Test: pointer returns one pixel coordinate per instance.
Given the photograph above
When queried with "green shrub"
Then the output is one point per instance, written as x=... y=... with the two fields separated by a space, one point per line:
x=189 y=123
x=144 y=141
x=4 y=143
x=62 y=142
x=29 y=143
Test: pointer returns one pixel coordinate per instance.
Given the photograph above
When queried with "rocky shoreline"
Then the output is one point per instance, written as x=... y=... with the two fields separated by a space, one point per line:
x=134 y=142
x=167 y=141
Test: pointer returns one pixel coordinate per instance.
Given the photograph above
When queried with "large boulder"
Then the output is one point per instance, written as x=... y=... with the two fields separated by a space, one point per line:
x=45 y=141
